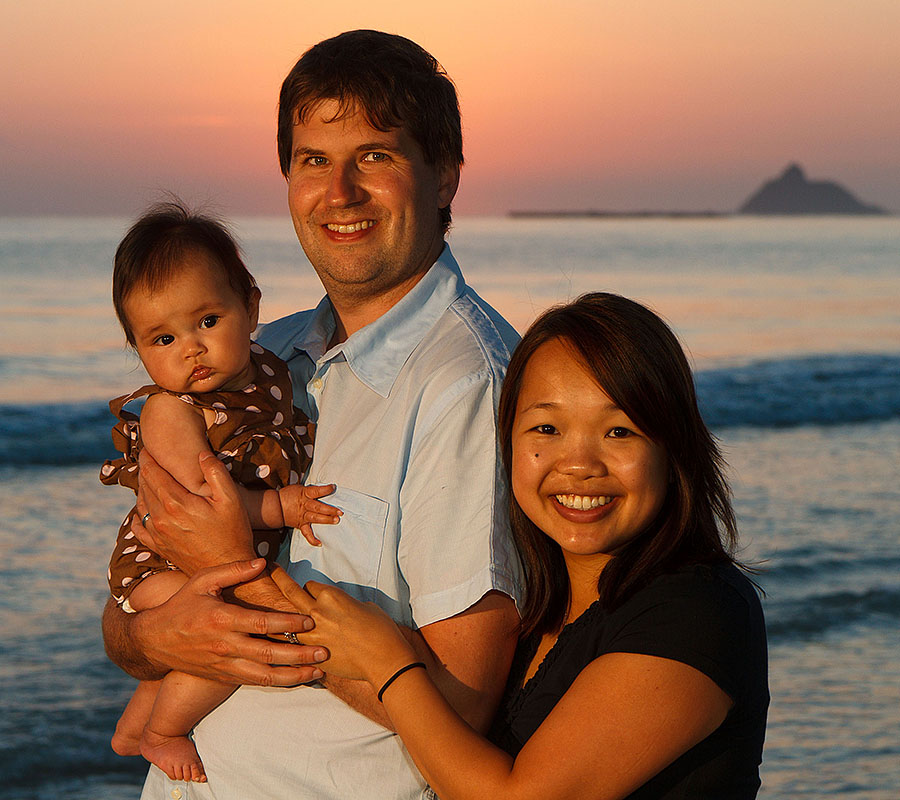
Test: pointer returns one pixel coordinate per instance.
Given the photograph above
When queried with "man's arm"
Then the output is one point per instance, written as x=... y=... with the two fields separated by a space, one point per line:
x=195 y=631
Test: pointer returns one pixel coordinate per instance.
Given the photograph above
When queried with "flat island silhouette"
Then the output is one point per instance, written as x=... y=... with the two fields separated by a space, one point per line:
x=791 y=193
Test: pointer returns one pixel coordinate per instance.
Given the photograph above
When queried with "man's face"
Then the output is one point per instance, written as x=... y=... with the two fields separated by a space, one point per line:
x=365 y=206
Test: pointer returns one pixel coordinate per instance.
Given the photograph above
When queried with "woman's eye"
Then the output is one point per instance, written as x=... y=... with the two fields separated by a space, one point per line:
x=164 y=339
x=619 y=433
x=547 y=430
x=209 y=321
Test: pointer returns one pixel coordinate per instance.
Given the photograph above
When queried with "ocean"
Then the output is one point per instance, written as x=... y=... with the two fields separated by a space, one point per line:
x=793 y=327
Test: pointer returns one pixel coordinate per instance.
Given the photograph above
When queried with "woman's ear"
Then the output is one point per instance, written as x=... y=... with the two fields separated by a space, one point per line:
x=253 y=308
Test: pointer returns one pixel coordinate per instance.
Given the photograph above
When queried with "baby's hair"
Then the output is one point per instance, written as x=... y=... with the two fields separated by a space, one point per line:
x=156 y=245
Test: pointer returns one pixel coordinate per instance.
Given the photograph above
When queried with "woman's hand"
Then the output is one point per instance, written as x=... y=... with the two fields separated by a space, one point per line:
x=363 y=642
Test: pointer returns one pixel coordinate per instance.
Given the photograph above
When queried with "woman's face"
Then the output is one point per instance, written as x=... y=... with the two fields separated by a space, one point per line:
x=581 y=470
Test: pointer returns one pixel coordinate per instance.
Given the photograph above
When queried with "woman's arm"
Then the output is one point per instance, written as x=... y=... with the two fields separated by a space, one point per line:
x=624 y=719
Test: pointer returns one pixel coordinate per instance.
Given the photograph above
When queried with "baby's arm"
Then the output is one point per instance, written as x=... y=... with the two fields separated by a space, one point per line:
x=174 y=433
x=294 y=506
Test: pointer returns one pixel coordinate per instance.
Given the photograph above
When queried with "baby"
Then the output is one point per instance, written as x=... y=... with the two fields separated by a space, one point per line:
x=188 y=305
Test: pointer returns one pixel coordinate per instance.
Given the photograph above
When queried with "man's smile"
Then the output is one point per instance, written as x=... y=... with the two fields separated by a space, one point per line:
x=351 y=227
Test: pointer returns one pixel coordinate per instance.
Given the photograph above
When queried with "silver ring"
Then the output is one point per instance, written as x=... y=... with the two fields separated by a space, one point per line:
x=145 y=518
x=291 y=637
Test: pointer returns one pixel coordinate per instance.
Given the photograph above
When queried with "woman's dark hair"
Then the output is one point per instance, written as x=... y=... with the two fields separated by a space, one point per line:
x=636 y=359
x=390 y=79
x=156 y=245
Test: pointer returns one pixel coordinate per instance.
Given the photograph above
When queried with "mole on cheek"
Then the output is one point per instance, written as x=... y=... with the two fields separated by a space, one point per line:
x=537 y=455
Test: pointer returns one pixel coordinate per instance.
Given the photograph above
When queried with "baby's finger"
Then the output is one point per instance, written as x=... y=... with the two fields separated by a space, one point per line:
x=308 y=534
x=322 y=509
x=319 y=491
x=326 y=515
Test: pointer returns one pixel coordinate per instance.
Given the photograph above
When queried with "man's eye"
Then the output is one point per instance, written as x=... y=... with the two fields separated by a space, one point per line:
x=375 y=157
x=164 y=339
x=317 y=161
x=209 y=321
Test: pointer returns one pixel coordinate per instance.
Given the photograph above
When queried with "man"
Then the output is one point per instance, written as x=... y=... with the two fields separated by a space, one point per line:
x=401 y=366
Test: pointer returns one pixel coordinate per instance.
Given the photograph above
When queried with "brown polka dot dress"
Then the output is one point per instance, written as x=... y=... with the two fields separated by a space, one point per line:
x=260 y=437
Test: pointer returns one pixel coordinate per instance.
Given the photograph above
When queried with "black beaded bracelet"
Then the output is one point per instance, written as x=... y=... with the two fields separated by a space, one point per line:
x=396 y=675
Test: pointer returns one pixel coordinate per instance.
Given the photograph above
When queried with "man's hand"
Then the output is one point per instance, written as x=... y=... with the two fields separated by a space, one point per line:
x=196 y=632
x=191 y=531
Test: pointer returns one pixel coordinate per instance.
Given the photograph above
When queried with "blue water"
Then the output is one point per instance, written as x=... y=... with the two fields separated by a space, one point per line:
x=794 y=329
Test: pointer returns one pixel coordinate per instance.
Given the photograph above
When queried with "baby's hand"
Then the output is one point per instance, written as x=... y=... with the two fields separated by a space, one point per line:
x=301 y=507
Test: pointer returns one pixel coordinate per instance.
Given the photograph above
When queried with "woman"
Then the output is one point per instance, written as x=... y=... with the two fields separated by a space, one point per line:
x=641 y=669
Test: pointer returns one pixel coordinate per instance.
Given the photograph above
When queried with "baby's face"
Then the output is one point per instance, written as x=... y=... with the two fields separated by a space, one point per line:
x=193 y=333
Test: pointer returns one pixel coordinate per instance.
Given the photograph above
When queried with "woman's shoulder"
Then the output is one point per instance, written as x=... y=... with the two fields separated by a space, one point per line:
x=701 y=583
x=705 y=615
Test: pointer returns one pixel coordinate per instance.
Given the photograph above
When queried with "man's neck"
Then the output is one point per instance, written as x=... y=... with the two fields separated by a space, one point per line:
x=353 y=313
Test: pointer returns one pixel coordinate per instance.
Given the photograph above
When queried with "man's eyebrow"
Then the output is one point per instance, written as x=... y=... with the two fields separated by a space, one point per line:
x=300 y=150
x=379 y=145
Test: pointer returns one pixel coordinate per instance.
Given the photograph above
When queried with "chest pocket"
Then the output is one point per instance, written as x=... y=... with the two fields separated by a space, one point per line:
x=351 y=551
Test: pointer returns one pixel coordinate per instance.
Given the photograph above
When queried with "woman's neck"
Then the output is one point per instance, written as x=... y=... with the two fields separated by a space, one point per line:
x=584 y=572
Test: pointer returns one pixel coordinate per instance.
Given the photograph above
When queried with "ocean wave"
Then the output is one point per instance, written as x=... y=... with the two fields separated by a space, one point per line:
x=56 y=434
x=814 y=390
x=823 y=390
x=811 y=616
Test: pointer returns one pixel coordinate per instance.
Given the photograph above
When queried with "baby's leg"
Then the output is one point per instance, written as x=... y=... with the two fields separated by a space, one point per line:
x=150 y=592
x=126 y=741
x=182 y=701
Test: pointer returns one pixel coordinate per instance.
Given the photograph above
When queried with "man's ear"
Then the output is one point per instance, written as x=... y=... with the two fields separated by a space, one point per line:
x=448 y=183
x=253 y=308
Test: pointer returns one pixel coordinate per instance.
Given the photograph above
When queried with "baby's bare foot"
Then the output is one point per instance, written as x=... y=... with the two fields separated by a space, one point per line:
x=174 y=755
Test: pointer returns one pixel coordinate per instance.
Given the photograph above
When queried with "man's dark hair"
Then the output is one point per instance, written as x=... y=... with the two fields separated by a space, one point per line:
x=637 y=360
x=156 y=245
x=392 y=81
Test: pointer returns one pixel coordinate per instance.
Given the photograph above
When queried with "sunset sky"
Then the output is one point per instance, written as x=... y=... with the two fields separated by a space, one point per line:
x=631 y=104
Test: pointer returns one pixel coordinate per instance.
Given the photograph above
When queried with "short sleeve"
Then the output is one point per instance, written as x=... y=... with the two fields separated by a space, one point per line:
x=694 y=617
x=455 y=543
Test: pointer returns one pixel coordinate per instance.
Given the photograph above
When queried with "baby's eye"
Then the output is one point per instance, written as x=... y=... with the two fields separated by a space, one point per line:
x=209 y=320
x=164 y=339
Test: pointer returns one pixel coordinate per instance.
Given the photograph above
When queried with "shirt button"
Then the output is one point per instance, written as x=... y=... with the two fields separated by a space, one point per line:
x=176 y=794
x=317 y=383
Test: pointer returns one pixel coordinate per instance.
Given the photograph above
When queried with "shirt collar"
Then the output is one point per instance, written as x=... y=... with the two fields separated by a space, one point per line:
x=377 y=352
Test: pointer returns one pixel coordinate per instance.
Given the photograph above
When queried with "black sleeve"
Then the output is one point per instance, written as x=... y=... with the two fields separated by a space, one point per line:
x=694 y=616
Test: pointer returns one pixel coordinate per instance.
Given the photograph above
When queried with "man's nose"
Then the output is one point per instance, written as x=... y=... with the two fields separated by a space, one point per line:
x=344 y=186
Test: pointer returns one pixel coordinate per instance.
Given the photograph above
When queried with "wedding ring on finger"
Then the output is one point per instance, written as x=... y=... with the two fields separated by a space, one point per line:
x=291 y=637
x=145 y=519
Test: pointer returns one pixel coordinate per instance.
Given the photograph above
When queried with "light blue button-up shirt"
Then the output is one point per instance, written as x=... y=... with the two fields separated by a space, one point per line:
x=406 y=429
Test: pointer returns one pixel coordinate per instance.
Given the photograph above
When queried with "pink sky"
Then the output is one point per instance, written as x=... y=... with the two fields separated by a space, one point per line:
x=661 y=104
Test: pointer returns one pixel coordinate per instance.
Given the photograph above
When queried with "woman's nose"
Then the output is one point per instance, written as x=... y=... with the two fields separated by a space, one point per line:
x=582 y=458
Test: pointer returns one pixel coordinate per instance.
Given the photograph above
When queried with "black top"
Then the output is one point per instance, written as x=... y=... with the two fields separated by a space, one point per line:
x=706 y=616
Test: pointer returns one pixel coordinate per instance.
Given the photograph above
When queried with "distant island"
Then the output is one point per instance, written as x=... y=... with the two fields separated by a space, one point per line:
x=792 y=193
x=789 y=193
